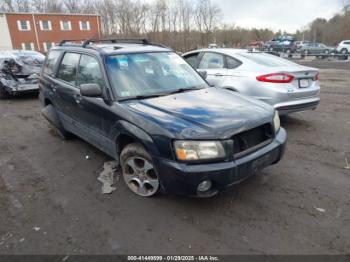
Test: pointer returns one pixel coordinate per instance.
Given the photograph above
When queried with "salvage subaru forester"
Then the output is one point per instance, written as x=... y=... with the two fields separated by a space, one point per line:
x=142 y=104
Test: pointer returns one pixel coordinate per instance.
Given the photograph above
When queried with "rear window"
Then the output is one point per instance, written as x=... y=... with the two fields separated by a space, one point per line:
x=51 y=62
x=266 y=59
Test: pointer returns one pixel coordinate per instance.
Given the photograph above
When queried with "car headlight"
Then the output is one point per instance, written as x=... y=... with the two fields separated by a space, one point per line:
x=276 y=121
x=199 y=150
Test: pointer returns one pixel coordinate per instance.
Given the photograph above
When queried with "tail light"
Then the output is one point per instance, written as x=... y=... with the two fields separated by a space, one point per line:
x=276 y=78
x=316 y=77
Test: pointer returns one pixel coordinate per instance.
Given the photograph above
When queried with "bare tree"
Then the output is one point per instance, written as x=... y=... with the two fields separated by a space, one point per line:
x=72 y=6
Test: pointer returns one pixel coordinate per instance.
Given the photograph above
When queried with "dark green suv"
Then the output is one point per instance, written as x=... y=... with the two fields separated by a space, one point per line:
x=146 y=107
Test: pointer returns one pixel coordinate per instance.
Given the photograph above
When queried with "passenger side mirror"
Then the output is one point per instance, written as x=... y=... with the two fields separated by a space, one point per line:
x=91 y=90
x=203 y=74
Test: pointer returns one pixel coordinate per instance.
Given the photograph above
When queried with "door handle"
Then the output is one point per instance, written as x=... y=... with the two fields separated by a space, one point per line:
x=77 y=98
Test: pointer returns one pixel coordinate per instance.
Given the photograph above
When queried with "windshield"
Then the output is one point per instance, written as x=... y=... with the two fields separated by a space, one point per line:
x=148 y=74
x=267 y=59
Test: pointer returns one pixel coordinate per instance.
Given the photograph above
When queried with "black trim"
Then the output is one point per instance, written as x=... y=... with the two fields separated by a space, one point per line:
x=296 y=107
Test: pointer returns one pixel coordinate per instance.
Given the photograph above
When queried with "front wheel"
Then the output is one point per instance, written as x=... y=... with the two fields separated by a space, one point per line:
x=138 y=170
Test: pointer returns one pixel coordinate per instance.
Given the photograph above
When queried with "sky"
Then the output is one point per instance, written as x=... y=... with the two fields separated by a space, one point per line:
x=285 y=15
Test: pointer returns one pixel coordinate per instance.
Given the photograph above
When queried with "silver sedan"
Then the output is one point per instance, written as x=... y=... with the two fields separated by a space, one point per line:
x=285 y=85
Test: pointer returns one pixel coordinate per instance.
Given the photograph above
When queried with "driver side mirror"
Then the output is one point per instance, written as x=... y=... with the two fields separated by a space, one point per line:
x=203 y=74
x=91 y=90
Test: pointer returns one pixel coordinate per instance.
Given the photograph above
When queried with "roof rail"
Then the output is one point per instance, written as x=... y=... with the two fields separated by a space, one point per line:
x=69 y=40
x=115 y=40
x=124 y=40
x=86 y=42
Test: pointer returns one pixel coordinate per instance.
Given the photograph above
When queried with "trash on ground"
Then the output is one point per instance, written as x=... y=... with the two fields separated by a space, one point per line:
x=6 y=236
x=322 y=210
x=36 y=228
x=106 y=177
x=347 y=164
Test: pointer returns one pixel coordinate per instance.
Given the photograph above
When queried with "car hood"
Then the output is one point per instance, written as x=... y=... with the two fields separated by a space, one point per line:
x=206 y=113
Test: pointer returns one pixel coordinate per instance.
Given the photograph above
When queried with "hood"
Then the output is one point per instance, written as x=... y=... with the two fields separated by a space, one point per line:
x=207 y=113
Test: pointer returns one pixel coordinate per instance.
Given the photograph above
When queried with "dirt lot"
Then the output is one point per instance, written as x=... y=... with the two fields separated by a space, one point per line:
x=51 y=202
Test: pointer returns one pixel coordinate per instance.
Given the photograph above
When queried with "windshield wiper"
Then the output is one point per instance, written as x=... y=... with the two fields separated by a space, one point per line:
x=138 y=97
x=181 y=90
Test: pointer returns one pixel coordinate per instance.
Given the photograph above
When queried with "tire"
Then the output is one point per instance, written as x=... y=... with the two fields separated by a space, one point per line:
x=3 y=92
x=49 y=112
x=138 y=170
x=344 y=51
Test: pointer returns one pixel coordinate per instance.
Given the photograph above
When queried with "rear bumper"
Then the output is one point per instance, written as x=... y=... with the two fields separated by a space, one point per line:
x=183 y=179
x=297 y=105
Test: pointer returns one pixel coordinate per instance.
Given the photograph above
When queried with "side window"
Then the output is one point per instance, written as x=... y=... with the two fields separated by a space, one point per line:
x=89 y=71
x=232 y=63
x=68 y=68
x=212 y=61
x=50 y=62
x=192 y=59
x=347 y=43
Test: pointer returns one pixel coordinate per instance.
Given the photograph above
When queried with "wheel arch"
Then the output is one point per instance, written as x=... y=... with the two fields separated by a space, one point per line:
x=130 y=133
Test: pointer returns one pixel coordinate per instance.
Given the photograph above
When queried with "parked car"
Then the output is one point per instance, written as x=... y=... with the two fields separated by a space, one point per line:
x=300 y=44
x=287 y=86
x=344 y=47
x=145 y=106
x=19 y=72
x=316 y=48
x=284 y=43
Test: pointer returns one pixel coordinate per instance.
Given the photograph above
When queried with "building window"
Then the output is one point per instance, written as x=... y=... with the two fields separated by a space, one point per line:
x=48 y=45
x=23 y=25
x=45 y=25
x=28 y=46
x=66 y=25
x=84 y=25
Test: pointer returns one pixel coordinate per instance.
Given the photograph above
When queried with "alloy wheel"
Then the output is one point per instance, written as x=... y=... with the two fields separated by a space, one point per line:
x=140 y=176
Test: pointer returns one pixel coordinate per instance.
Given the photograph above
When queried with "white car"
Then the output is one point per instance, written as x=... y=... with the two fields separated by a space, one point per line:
x=344 y=47
x=285 y=85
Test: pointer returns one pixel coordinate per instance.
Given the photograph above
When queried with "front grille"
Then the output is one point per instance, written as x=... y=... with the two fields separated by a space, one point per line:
x=251 y=140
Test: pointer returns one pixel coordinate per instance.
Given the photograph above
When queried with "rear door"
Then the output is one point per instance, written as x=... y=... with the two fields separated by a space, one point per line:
x=215 y=66
x=66 y=90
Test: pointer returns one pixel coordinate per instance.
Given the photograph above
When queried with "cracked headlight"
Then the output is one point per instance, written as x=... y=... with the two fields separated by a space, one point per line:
x=199 y=150
x=276 y=121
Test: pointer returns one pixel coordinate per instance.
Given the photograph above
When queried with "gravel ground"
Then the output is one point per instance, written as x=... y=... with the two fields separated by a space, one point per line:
x=51 y=201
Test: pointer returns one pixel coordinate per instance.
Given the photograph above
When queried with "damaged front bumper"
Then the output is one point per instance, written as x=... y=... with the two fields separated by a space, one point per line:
x=183 y=179
x=13 y=87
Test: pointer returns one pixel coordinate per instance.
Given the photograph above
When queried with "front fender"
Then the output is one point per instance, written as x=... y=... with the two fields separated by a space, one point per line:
x=127 y=128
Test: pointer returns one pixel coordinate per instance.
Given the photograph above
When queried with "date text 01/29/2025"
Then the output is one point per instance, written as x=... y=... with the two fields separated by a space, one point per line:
x=173 y=258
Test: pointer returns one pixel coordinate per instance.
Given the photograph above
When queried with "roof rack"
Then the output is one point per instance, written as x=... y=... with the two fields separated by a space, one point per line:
x=121 y=40
x=115 y=40
x=65 y=41
x=87 y=42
